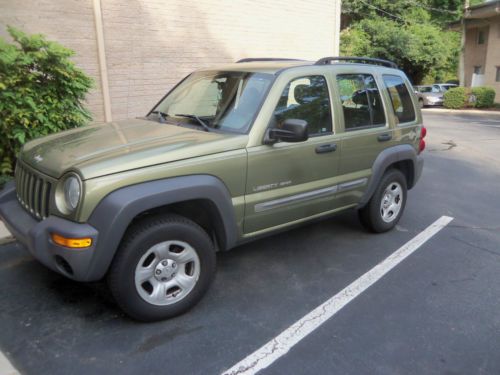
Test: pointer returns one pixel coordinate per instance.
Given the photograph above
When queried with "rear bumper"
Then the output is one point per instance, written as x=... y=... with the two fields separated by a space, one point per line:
x=75 y=264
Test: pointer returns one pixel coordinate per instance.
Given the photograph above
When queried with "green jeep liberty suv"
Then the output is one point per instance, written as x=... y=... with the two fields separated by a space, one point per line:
x=230 y=154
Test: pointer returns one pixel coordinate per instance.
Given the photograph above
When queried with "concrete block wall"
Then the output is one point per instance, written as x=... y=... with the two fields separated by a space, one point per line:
x=151 y=44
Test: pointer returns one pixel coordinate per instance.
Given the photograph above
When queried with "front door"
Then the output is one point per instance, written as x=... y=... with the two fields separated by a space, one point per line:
x=288 y=182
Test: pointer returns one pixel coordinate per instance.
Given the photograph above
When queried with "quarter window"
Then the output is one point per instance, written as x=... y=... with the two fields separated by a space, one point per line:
x=306 y=98
x=361 y=101
x=400 y=98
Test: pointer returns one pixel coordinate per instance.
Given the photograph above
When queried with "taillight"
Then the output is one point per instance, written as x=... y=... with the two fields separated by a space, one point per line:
x=421 y=145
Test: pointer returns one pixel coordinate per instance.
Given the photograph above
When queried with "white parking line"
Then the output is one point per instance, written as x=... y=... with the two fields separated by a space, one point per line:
x=5 y=366
x=281 y=344
x=4 y=232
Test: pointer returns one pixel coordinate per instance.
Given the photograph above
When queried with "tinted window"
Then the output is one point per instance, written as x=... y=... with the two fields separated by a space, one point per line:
x=361 y=101
x=306 y=98
x=400 y=98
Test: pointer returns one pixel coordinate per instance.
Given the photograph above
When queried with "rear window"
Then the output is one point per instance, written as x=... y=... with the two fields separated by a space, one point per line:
x=400 y=98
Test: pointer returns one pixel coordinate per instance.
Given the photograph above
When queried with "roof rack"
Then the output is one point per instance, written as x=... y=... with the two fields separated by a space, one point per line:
x=363 y=60
x=251 y=59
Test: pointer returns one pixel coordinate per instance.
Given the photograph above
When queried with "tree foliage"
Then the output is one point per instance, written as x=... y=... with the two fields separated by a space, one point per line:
x=41 y=92
x=412 y=33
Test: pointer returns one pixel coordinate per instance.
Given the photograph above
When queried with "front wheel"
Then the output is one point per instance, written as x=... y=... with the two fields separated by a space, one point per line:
x=163 y=267
x=387 y=204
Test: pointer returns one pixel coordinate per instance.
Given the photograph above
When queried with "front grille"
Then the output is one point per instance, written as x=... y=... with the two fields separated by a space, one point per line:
x=33 y=191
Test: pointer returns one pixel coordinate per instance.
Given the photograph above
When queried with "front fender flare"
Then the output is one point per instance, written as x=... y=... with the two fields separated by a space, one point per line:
x=116 y=211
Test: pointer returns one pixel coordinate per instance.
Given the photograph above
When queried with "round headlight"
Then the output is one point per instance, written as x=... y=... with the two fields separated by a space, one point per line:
x=72 y=192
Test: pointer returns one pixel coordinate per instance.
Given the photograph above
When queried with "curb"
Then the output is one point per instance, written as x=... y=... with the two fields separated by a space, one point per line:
x=462 y=111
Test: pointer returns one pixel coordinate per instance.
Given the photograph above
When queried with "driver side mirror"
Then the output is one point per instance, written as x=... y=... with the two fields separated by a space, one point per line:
x=290 y=130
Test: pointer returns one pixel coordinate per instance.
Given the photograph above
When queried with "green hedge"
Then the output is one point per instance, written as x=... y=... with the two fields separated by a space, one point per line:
x=455 y=98
x=41 y=92
x=485 y=97
x=477 y=97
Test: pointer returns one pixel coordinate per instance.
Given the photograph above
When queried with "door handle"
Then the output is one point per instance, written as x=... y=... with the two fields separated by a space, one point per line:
x=330 y=147
x=384 y=137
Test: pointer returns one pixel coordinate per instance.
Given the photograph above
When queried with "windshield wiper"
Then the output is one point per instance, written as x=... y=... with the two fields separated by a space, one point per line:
x=200 y=121
x=161 y=115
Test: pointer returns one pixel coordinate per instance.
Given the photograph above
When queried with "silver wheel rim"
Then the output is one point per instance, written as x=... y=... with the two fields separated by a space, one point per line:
x=167 y=272
x=392 y=201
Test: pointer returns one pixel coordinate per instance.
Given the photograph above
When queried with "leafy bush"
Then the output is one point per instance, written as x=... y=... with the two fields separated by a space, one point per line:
x=41 y=92
x=485 y=97
x=455 y=98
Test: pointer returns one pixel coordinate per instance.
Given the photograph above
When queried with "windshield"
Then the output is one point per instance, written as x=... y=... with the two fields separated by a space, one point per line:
x=227 y=101
x=425 y=89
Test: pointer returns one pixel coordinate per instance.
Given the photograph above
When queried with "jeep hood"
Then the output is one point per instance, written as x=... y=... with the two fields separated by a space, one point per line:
x=102 y=149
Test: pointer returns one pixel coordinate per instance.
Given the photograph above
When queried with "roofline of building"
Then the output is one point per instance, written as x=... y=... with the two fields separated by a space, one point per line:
x=483 y=10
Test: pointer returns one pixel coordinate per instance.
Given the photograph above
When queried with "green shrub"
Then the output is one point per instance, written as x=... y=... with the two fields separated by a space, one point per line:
x=455 y=98
x=41 y=92
x=485 y=97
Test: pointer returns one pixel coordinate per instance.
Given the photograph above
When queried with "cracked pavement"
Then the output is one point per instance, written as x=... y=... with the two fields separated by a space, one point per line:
x=435 y=313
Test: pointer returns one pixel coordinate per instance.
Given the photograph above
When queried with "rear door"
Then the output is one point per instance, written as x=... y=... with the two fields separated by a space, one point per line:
x=367 y=131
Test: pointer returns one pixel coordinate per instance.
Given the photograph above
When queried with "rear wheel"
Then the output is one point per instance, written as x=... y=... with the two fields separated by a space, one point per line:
x=387 y=204
x=163 y=268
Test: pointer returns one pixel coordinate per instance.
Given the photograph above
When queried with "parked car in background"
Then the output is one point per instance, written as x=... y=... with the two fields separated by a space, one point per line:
x=432 y=95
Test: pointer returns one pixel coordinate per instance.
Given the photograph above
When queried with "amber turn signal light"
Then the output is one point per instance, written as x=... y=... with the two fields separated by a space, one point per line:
x=74 y=243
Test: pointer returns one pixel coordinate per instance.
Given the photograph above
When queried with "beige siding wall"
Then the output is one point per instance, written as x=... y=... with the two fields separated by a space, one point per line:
x=486 y=55
x=151 y=44
x=475 y=54
x=493 y=57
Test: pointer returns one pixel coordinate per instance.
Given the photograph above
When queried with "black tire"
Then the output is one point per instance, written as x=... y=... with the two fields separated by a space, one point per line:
x=421 y=103
x=371 y=215
x=139 y=239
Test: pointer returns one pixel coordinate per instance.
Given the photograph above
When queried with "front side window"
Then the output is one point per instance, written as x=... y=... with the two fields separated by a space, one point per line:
x=400 y=98
x=306 y=98
x=361 y=101
x=228 y=101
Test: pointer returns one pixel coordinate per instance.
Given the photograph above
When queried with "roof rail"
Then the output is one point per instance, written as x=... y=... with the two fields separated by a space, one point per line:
x=365 y=60
x=251 y=59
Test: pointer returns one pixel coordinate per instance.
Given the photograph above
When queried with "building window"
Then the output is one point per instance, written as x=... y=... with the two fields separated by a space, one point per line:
x=481 y=37
x=497 y=77
x=478 y=69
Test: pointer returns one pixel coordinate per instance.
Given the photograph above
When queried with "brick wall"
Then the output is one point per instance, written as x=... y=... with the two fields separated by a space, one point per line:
x=151 y=44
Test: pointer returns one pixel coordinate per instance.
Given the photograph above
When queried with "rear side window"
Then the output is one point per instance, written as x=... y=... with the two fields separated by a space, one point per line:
x=361 y=101
x=400 y=98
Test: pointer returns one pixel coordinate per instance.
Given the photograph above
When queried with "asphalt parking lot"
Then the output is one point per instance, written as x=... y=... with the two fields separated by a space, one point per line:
x=437 y=312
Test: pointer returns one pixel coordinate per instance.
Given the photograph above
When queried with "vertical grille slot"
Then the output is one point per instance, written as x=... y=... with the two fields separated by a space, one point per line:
x=33 y=191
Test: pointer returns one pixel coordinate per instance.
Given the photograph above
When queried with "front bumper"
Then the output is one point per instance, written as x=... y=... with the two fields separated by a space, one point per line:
x=433 y=103
x=75 y=264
